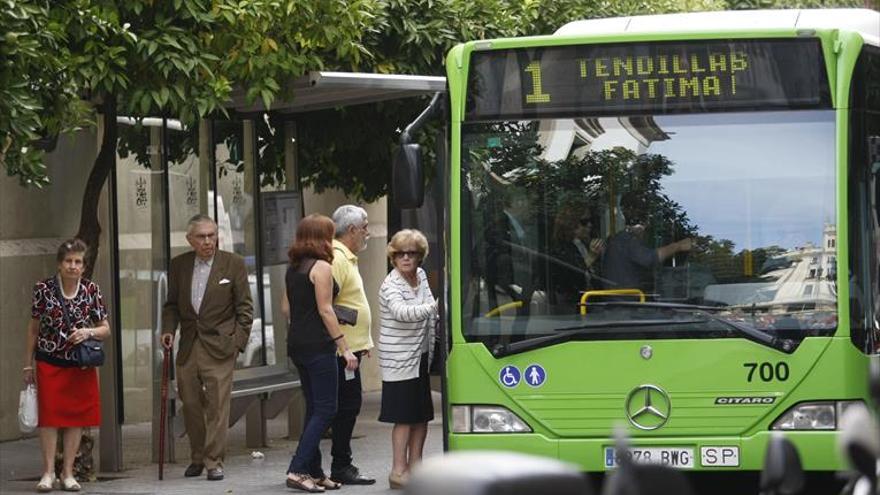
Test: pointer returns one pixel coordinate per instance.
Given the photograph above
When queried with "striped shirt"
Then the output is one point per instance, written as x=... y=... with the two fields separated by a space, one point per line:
x=406 y=326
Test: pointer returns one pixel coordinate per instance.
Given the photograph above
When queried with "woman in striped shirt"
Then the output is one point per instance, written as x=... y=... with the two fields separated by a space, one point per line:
x=408 y=312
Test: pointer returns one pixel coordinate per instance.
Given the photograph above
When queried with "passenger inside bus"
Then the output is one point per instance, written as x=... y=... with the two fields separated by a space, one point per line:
x=506 y=264
x=574 y=252
x=627 y=258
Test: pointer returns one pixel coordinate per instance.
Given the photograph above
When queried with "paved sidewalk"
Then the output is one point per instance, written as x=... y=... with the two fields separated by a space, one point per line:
x=20 y=461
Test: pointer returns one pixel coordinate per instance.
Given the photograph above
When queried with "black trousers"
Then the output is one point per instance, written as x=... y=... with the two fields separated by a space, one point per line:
x=349 y=406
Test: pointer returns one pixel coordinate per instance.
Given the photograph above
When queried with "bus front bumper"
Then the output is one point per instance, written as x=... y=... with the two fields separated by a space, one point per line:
x=818 y=450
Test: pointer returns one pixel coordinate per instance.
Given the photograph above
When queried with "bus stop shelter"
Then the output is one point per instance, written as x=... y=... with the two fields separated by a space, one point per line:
x=195 y=171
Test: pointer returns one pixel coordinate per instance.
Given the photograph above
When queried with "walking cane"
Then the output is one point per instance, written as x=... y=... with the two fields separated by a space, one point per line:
x=163 y=408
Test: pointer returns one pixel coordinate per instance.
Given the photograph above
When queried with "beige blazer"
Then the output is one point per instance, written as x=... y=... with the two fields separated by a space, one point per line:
x=223 y=323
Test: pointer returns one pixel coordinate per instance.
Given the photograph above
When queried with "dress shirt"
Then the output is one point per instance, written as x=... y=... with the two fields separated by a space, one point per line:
x=201 y=271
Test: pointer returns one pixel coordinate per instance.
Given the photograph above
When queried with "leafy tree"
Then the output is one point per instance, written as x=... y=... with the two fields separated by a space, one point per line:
x=38 y=99
x=176 y=58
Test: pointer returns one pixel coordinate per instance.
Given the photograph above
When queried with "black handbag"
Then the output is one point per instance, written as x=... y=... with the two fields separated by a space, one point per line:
x=345 y=315
x=88 y=353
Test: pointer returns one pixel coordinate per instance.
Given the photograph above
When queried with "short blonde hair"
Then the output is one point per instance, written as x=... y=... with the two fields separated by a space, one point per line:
x=408 y=237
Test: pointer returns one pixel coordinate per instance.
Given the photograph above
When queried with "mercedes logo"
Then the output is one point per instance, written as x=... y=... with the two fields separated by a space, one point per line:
x=646 y=352
x=648 y=407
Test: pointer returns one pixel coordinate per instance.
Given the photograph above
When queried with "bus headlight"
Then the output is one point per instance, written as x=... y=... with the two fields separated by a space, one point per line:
x=486 y=419
x=820 y=415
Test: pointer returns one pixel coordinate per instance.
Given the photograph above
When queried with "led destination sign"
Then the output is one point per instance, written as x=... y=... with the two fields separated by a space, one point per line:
x=647 y=78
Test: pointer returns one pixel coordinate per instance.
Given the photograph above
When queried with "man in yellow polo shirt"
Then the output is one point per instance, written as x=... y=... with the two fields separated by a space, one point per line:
x=351 y=238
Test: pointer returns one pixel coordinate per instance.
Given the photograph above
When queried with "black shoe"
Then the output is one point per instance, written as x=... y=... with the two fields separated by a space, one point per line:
x=351 y=476
x=194 y=470
x=215 y=474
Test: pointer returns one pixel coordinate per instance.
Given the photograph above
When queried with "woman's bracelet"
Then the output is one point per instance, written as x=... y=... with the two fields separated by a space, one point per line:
x=27 y=368
x=340 y=336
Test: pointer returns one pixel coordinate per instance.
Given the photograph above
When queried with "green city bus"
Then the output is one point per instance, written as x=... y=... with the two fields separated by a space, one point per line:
x=667 y=225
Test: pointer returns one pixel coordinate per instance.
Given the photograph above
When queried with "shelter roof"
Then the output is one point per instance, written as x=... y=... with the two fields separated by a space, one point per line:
x=319 y=90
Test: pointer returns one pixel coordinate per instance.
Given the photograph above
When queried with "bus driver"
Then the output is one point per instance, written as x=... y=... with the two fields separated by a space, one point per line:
x=626 y=256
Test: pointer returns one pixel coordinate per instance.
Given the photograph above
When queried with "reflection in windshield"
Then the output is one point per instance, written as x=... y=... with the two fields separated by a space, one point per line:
x=733 y=211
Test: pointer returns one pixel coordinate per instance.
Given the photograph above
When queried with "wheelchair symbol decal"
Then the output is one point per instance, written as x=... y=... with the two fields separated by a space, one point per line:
x=509 y=376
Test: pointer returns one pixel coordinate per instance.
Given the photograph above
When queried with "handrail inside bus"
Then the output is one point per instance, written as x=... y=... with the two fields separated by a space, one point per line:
x=504 y=307
x=611 y=292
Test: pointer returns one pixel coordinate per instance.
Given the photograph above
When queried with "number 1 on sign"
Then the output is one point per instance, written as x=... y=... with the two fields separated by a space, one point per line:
x=537 y=95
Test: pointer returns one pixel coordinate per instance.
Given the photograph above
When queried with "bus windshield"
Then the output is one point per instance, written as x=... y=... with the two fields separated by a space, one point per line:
x=650 y=226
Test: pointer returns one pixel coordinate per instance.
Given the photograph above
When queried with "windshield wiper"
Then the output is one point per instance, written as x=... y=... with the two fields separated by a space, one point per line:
x=747 y=331
x=565 y=334
x=785 y=345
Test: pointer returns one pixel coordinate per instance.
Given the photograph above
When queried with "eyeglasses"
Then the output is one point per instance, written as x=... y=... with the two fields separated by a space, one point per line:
x=204 y=237
x=410 y=254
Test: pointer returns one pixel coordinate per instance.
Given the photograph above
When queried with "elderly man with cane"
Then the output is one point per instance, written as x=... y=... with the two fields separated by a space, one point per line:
x=209 y=297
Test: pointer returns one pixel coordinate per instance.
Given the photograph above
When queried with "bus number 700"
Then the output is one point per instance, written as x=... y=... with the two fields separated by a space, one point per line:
x=767 y=372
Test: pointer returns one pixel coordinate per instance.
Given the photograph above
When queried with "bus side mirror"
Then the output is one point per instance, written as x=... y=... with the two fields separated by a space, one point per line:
x=408 y=177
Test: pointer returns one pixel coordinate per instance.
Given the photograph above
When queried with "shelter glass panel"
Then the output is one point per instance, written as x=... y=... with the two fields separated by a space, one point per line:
x=234 y=157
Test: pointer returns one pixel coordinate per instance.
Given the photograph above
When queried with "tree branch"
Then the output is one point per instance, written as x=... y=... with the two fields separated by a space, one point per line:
x=89 y=227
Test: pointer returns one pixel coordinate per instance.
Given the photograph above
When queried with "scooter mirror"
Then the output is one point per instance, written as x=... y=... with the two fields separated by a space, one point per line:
x=874 y=377
x=783 y=472
x=638 y=479
x=860 y=441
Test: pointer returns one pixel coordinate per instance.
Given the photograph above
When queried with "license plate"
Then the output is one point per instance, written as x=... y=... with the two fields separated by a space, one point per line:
x=676 y=457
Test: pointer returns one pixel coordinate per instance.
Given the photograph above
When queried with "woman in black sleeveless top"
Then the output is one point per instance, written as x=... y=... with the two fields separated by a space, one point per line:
x=313 y=340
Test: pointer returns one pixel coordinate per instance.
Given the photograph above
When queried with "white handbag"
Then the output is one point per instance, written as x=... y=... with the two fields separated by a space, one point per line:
x=27 y=409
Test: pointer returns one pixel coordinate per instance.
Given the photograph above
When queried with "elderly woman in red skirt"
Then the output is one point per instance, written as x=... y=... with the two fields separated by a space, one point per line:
x=67 y=395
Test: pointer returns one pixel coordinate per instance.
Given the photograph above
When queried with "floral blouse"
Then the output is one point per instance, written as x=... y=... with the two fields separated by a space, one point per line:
x=85 y=310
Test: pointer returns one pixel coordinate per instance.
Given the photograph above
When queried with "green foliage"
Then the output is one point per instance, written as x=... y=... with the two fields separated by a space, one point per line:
x=37 y=98
x=175 y=58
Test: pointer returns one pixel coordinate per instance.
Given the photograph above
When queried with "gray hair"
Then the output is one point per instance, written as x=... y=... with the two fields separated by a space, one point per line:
x=197 y=219
x=71 y=246
x=348 y=216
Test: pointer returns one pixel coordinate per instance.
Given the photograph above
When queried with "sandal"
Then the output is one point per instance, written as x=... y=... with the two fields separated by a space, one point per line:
x=303 y=482
x=327 y=483
x=397 y=481
x=47 y=483
x=70 y=485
